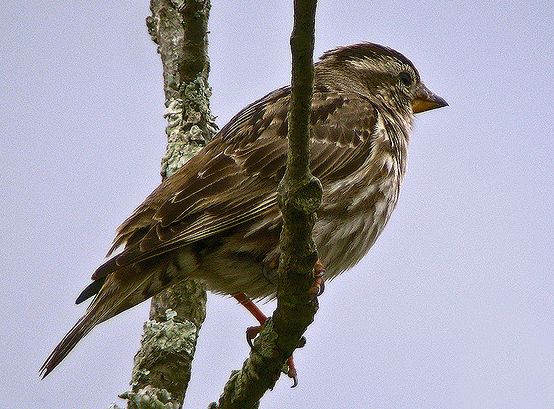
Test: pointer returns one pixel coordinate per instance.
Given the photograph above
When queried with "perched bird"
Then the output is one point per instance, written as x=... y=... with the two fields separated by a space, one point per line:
x=217 y=218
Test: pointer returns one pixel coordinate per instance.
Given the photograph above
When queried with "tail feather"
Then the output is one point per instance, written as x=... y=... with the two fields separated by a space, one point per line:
x=79 y=330
x=120 y=291
x=112 y=299
x=91 y=290
x=106 y=305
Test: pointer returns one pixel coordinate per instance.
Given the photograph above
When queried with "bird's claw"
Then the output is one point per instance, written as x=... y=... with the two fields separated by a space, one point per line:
x=319 y=285
x=291 y=372
x=251 y=334
x=253 y=331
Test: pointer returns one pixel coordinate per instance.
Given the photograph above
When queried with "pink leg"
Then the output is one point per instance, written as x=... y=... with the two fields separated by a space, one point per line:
x=252 y=332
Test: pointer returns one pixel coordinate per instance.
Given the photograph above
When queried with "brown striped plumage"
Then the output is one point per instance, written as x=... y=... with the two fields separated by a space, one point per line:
x=217 y=218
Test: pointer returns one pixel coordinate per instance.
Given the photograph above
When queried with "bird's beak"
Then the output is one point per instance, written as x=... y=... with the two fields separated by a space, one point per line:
x=424 y=100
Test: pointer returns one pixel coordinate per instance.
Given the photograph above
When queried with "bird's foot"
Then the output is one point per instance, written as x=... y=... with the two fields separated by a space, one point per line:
x=252 y=332
x=290 y=369
x=291 y=372
x=319 y=285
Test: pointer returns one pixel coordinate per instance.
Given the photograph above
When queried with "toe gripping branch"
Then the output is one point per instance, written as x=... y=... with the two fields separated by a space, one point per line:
x=252 y=332
x=319 y=284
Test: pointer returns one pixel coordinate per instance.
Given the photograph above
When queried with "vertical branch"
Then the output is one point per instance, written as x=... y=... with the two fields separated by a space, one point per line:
x=299 y=198
x=163 y=364
x=299 y=192
x=180 y=29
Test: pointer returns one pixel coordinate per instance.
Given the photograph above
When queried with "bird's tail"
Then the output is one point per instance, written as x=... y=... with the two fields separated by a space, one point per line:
x=117 y=294
x=79 y=330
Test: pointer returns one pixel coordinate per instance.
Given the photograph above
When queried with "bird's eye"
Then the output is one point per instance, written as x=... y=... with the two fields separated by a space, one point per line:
x=405 y=78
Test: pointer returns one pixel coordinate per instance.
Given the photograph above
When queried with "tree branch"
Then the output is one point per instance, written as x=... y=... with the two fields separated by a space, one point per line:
x=299 y=198
x=163 y=364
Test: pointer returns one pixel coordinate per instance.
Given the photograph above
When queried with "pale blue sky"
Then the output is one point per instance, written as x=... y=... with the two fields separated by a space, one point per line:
x=453 y=307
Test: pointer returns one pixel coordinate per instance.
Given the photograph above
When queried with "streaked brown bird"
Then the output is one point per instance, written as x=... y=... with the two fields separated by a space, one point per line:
x=217 y=218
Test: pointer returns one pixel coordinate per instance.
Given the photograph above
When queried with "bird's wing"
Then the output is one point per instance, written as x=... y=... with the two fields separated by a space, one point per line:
x=234 y=178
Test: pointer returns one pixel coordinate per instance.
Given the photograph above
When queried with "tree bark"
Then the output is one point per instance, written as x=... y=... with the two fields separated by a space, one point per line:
x=299 y=198
x=162 y=367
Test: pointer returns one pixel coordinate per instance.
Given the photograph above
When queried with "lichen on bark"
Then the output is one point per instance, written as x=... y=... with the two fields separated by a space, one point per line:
x=190 y=124
x=163 y=343
x=163 y=365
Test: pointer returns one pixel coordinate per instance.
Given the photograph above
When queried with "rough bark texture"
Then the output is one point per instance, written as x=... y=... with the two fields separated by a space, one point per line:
x=163 y=364
x=299 y=198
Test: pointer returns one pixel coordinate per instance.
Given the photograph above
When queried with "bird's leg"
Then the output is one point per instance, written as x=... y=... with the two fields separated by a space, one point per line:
x=251 y=307
x=252 y=332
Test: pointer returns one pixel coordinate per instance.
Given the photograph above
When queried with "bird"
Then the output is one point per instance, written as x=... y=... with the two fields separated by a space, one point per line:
x=217 y=218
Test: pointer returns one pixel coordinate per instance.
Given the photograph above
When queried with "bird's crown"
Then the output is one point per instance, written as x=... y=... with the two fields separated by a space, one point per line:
x=367 y=53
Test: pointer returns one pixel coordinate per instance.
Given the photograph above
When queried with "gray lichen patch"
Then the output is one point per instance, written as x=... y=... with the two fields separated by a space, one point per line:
x=161 y=340
x=190 y=124
x=149 y=398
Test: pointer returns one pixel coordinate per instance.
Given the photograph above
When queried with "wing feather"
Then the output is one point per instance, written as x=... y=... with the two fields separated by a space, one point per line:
x=234 y=179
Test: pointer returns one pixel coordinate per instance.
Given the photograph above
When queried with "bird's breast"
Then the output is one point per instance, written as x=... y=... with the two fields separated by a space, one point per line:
x=355 y=210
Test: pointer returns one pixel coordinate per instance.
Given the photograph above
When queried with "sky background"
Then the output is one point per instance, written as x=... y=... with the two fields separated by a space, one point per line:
x=452 y=308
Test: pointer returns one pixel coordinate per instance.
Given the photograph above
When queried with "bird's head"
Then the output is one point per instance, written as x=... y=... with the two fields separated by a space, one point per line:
x=379 y=73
